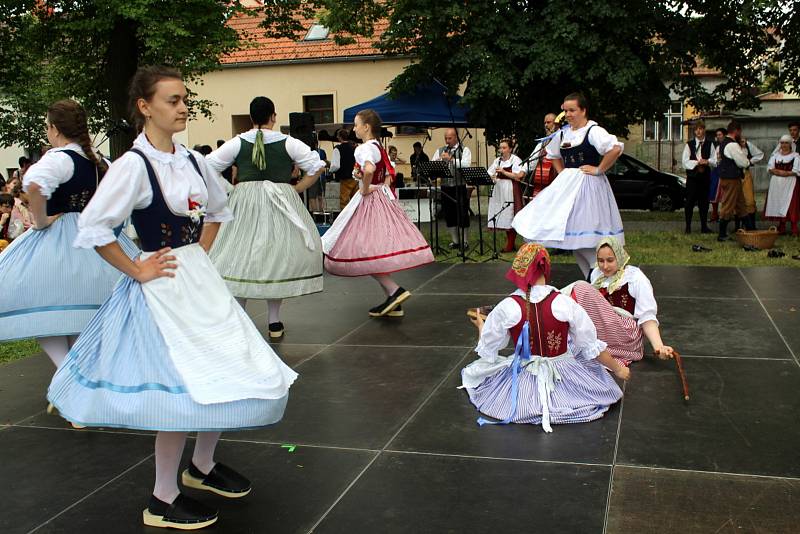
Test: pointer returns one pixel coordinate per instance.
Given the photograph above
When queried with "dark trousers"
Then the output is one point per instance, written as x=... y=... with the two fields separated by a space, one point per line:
x=455 y=204
x=697 y=195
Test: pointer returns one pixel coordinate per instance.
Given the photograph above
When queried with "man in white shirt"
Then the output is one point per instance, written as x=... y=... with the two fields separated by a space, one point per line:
x=733 y=160
x=754 y=155
x=455 y=202
x=698 y=158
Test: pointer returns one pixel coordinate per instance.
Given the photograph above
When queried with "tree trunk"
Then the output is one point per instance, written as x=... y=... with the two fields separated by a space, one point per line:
x=122 y=60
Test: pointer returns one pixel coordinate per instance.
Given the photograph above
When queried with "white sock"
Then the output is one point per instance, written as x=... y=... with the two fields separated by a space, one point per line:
x=56 y=347
x=454 y=234
x=204 y=446
x=169 y=448
x=274 y=307
x=586 y=258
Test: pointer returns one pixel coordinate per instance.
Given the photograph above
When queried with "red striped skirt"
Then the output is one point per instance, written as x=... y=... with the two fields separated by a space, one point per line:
x=623 y=335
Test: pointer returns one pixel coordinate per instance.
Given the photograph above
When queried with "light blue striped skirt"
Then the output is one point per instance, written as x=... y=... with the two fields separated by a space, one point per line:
x=49 y=287
x=119 y=374
x=585 y=392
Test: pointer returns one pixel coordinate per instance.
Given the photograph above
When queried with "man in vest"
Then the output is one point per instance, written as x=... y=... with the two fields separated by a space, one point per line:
x=732 y=162
x=455 y=202
x=342 y=163
x=699 y=157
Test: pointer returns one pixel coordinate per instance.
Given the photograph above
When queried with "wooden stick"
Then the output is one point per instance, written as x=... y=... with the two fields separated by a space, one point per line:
x=682 y=374
x=684 y=383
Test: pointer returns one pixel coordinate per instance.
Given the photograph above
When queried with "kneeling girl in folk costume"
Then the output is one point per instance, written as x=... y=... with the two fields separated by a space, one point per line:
x=271 y=250
x=783 y=197
x=506 y=200
x=170 y=350
x=578 y=208
x=50 y=290
x=558 y=371
x=621 y=304
x=373 y=235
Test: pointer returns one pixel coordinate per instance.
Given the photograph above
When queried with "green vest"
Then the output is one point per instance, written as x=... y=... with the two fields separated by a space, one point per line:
x=279 y=164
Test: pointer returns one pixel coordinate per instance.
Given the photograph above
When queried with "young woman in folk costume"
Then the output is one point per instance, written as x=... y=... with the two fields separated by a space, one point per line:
x=783 y=198
x=506 y=200
x=373 y=235
x=578 y=208
x=50 y=290
x=170 y=350
x=621 y=303
x=558 y=371
x=271 y=249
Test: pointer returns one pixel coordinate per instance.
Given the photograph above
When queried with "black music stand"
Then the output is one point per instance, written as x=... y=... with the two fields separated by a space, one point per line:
x=477 y=176
x=431 y=170
x=493 y=220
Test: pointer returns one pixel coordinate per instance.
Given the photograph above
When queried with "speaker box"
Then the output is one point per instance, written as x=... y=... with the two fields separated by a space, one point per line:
x=301 y=126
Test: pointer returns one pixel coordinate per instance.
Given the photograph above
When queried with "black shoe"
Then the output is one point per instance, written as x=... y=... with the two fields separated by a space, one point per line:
x=184 y=513
x=397 y=312
x=751 y=248
x=775 y=253
x=688 y=230
x=453 y=245
x=700 y=248
x=706 y=230
x=276 y=330
x=390 y=303
x=222 y=480
x=723 y=238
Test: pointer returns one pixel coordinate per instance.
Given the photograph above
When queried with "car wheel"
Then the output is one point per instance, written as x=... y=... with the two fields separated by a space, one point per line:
x=662 y=201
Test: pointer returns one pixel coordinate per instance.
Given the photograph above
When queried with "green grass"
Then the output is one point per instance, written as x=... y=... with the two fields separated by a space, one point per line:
x=16 y=350
x=655 y=248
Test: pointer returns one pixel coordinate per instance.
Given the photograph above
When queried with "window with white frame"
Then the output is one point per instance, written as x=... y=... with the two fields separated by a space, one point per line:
x=668 y=128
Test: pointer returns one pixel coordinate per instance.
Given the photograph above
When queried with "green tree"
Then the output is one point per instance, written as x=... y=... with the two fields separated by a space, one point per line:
x=519 y=58
x=89 y=51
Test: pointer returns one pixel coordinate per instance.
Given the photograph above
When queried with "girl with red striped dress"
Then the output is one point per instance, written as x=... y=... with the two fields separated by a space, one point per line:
x=621 y=303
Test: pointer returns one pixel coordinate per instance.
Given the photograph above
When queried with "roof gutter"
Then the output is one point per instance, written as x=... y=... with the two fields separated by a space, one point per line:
x=306 y=61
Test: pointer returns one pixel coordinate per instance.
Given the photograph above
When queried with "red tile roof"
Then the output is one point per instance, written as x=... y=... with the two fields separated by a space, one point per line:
x=264 y=49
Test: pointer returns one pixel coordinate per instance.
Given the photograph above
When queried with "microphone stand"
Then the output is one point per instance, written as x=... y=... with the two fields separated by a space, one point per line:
x=493 y=221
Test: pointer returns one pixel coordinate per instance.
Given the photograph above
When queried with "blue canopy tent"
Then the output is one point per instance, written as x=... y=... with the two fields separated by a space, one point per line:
x=426 y=106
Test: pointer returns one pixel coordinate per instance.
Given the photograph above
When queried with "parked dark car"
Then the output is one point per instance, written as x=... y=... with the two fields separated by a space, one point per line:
x=636 y=185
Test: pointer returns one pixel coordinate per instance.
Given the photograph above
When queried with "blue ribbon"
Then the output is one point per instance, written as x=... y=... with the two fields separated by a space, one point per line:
x=522 y=353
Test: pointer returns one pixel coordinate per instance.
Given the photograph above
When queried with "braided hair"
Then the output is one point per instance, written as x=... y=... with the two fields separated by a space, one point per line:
x=69 y=118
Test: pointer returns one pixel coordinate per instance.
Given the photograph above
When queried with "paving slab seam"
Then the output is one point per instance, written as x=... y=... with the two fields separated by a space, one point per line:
x=771 y=320
x=97 y=430
x=614 y=459
x=97 y=489
x=786 y=359
x=463 y=347
x=386 y=446
x=37 y=414
x=460 y=294
x=697 y=471
x=684 y=297
x=434 y=277
x=299 y=445
x=476 y=457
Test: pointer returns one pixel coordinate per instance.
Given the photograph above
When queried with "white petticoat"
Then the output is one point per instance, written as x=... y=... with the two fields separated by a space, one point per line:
x=576 y=211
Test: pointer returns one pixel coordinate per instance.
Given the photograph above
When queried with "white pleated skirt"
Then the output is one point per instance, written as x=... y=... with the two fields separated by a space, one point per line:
x=576 y=211
x=501 y=202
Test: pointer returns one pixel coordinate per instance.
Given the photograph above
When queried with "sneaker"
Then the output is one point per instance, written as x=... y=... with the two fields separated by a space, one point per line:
x=222 y=480
x=390 y=303
x=276 y=330
x=184 y=513
x=397 y=312
x=453 y=245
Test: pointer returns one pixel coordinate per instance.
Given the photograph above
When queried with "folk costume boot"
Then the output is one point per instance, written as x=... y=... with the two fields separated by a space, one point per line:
x=723 y=230
x=511 y=238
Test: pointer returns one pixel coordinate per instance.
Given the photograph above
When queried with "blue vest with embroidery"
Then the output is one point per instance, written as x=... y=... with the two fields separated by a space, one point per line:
x=72 y=196
x=583 y=154
x=156 y=225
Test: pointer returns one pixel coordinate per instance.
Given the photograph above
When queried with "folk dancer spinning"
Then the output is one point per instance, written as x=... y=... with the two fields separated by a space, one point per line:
x=578 y=209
